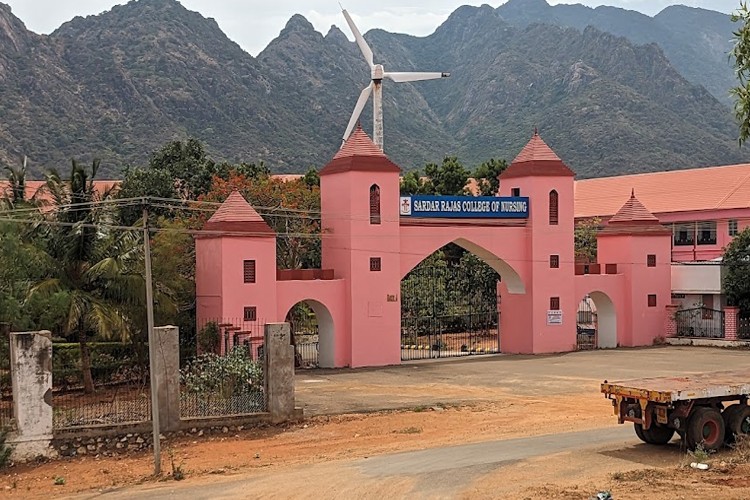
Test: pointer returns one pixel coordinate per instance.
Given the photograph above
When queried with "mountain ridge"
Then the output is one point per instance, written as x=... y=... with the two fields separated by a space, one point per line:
x=122 y=83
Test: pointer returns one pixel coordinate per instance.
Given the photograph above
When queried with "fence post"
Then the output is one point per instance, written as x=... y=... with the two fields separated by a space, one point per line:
x=167 y=368
x=279 y=371
x=31 y=374
x=730 y=322
x=670 y=322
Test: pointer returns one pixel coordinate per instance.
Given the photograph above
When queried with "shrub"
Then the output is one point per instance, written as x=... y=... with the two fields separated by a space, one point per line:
x=230 y=375
x=110 y=362
x=209 y=338
x=5 y=449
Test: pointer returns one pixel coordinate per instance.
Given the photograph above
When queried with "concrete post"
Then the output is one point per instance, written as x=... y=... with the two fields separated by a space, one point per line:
x=279 y=371
x=167 y=372
x=670 y=322
x=31 y=373
x=730 y=322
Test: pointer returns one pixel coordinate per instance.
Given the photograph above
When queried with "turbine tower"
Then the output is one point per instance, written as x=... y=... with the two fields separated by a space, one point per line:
x=376 y=86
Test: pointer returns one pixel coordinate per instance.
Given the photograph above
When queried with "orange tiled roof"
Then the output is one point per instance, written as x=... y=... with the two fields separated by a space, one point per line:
x=235 y=209
x=698 y=189
x=536 y=150
x=359 y=144
x=633 y=211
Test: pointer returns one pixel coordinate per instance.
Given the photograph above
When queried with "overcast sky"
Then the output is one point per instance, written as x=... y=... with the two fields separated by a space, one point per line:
x=254 y=23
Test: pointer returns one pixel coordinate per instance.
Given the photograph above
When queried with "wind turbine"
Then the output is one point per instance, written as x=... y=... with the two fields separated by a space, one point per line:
x=376 y=86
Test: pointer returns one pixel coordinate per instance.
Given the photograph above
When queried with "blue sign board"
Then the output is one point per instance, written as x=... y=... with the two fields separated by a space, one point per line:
x=465 y=207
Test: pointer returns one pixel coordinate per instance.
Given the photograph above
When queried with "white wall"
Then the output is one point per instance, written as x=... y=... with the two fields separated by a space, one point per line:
x=696 y=279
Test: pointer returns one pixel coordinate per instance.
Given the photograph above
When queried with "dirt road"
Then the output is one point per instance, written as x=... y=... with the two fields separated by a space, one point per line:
x=493 y=404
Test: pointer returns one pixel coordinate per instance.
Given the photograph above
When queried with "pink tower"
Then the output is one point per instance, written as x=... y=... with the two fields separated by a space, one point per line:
x=235 y=267
x=360 y=225
x=641 y=247
x=537 y=172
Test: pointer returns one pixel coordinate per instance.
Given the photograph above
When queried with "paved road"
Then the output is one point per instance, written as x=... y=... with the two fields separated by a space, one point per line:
x=476 y=379
x=432 y=472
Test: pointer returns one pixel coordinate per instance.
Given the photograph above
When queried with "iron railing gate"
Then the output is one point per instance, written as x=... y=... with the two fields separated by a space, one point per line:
x=449 y=309
x=700 y=322
x=587 y=325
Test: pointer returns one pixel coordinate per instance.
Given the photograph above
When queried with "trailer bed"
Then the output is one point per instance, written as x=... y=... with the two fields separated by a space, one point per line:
x=671 y=389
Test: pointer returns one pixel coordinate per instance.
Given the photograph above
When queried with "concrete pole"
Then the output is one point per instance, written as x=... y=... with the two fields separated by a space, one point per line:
x=151 y=344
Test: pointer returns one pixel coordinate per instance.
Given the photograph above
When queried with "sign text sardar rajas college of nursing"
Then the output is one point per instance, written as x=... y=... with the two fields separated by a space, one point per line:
x=466 y=207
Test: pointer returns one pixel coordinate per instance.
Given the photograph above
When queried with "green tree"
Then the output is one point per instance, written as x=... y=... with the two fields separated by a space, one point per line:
x=311 y=178
x=449 y=178
x=413 y=183
x=17 y=183
x=141 y=183
x=585 y=239
x=741 y=55
x=736 y=279
x=487 y=175
x=97 y=271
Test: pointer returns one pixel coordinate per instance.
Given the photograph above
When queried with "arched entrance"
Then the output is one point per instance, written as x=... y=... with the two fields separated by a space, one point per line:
x=449 y=306
x=312 y=334
x=596 y=322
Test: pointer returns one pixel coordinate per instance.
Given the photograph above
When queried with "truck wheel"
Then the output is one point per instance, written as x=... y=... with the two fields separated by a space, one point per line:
x=639 y=432
x=738 y=422
x=728 y=416
x=705 y=427
x=658 y=434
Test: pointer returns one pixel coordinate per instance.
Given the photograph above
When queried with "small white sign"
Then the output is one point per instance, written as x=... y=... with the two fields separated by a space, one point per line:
x=405 y=205
x=555 y=317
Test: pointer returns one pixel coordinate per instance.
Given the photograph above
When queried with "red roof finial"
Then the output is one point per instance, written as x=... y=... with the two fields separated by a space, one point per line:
x=536 y=130
x=632 y=193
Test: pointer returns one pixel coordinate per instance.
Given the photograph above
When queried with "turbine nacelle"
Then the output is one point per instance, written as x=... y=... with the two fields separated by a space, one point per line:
x=377 y=74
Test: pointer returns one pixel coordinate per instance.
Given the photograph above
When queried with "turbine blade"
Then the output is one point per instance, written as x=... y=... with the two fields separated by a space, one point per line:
x=363 y=97
x=414 y=77
x=359 y=39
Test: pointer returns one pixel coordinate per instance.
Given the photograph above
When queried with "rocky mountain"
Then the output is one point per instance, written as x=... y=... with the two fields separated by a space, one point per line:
x=121 y=84
x=696 y=41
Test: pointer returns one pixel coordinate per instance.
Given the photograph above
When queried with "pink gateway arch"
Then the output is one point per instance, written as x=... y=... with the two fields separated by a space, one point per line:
x=368 y=247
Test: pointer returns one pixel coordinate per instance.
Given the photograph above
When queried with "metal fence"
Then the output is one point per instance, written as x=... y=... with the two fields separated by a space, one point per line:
x=449 y=335
x=700 y=322
x=305 y=336
x=586 y=325
x=743 y=327
x=112 y=389
x=228 y=379
x=6 y=388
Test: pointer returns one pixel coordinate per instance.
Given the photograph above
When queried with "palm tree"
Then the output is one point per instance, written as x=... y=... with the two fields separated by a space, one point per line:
x=98 y=268
x=17 y=180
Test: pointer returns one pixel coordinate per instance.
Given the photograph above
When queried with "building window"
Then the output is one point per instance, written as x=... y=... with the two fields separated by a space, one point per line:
x=374 y=263
x=652 y=300
x=651 y=260
x=707 y=232
x=684 y=234
x=554 y=261
x=249 y=271
x=374 y=204
x=553 y=208
x=554 y=303
x=515 y=192
x=250 y=313
x=708 y=306
x=733 y=228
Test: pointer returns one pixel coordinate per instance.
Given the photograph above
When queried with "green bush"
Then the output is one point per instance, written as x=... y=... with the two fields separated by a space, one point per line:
x=5 y=449
x=110 y=362
x=230 y=375
x=209 y=337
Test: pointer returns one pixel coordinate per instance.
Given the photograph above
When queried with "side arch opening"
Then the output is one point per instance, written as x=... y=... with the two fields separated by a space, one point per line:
x=312 y=331
x=596 y=322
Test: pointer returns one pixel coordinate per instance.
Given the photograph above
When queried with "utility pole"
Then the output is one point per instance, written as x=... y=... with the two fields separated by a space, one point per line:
x=151 y=342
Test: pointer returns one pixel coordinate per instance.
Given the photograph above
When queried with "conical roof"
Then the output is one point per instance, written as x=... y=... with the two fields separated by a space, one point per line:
x=537 y=159
x=236 y=215
x=359 y=153
x=359 y=144
x=633 y=211
x=634 y=218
